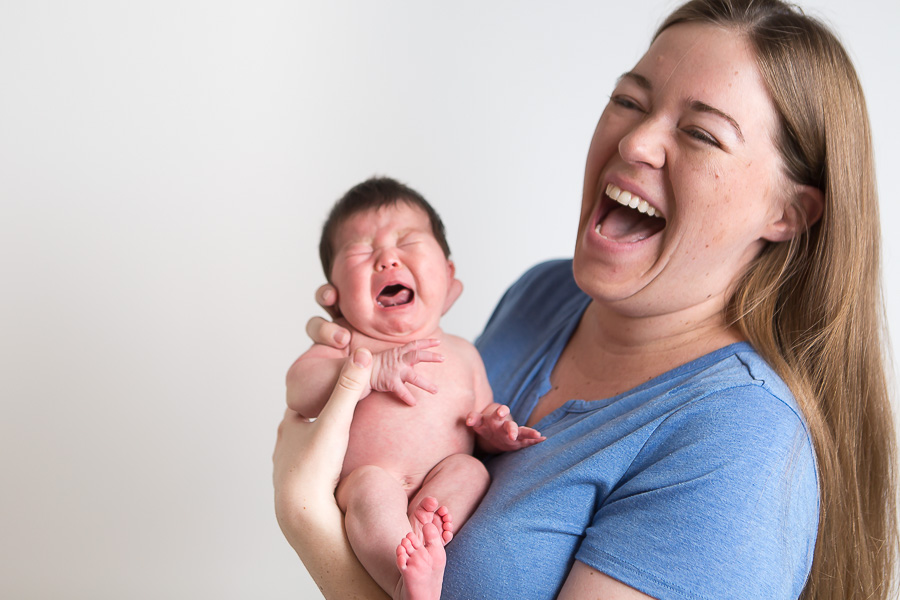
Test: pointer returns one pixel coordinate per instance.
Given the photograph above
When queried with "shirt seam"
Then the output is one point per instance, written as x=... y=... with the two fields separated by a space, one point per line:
x=706 y=396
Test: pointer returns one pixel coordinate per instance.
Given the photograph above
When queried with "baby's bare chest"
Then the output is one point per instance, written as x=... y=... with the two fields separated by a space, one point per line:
x=454 y=399
x=390 y=433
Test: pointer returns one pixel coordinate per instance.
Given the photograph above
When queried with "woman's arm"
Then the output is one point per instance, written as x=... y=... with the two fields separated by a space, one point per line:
x=586 y=582
x=307 y=465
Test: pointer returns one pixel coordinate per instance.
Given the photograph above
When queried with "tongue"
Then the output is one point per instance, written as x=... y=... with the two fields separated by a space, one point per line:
x=394 y=296
x=627 y=225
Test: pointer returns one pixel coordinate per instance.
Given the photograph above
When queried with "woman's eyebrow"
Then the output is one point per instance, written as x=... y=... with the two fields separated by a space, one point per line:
x=696 y=105
x=640 y=80
x=704 y=107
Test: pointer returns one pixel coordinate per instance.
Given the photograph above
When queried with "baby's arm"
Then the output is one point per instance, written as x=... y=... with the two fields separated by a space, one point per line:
x=312 y=377
x=495 y=431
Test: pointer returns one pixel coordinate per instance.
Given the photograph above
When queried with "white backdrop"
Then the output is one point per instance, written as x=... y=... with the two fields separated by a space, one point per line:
x=164 y=170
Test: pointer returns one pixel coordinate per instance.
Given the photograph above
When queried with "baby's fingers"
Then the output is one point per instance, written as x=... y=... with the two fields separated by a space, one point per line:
x=420 y=382
x=416 y=351
x=499 y=414
x=418 y=356
x=426 y=343
x=512 y=430
x=527 y=433
x=404 y=394
x=474 y=419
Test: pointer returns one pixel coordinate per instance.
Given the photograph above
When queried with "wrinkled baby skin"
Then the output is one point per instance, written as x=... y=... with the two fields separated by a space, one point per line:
x=392 y=279
x=391 y=274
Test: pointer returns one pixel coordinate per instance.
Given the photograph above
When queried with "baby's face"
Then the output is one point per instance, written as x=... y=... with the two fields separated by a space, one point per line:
x=390 y=272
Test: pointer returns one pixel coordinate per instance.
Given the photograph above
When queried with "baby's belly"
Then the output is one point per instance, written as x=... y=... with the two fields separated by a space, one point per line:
x=407 y=441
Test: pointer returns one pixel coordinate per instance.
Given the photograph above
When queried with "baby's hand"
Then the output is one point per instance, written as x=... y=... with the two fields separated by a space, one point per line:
x=393 y=368
x=498 y=432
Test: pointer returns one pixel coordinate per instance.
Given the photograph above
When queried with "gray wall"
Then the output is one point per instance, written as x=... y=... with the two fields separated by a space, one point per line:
x=164 y=170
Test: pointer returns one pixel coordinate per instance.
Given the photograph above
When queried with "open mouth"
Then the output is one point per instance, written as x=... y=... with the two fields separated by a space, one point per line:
x=394 y=295
x=628 y=219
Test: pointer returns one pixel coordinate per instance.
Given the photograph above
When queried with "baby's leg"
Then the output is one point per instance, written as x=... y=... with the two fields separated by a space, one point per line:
x=459 y=482
x=375 y=515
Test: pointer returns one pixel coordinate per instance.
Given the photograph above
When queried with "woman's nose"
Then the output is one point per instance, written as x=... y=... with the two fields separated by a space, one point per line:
x=645 y=144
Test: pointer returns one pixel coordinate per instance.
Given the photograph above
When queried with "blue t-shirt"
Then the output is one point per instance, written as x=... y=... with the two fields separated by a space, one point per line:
x=700 y=483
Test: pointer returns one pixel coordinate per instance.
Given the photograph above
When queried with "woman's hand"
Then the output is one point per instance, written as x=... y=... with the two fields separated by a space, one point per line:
x=333 y=334
x=307 y=465
x=325 y=332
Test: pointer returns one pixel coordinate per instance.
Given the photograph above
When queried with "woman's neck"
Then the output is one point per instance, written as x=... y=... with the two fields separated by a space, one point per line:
x=617 y=353
x=609 y=353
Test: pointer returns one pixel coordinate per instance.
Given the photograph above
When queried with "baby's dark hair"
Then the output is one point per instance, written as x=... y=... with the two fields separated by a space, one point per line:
x=372 y=194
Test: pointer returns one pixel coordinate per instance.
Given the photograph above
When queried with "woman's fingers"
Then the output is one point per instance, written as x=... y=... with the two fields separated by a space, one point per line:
x=351 y=383
x=327 y=298
x=327 y=333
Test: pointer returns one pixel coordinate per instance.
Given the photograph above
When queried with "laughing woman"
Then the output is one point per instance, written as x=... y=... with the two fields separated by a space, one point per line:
x=707 y=370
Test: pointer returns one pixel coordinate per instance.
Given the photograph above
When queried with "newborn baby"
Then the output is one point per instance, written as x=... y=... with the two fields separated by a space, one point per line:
x=408 y=479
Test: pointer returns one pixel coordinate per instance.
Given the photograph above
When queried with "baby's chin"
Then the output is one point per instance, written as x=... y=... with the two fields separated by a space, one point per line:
x=398 y=331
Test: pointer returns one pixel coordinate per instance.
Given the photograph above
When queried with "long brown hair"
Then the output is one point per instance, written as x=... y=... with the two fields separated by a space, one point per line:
x=813 y=306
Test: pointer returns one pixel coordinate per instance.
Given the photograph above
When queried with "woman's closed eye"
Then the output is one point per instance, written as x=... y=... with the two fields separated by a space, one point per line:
x=626 y=102
x=702 y=136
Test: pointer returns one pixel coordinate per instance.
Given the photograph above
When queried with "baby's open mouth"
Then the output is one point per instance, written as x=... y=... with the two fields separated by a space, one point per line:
x=629 y=219
x=394 y=295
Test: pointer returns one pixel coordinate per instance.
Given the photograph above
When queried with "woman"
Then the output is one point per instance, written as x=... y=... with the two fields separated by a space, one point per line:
x=721 y=322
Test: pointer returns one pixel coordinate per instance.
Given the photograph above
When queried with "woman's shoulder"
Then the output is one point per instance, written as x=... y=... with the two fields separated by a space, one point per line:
x=738 y=406
x=739 y=378
x=729 y=454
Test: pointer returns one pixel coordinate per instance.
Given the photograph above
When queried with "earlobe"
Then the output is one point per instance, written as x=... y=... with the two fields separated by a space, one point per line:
x=804 y=211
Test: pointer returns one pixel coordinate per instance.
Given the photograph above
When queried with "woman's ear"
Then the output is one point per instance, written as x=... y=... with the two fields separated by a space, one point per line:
x=802 y=212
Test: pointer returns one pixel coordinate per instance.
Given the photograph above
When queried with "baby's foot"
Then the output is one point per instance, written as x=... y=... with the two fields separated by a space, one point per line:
x=421 y=563
x=429 y=511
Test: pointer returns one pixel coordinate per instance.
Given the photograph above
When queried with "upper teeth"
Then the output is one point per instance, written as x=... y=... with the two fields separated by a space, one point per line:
x=630 y=200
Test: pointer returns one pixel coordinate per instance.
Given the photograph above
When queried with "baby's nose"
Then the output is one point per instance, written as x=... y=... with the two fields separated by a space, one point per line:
x=387 y=260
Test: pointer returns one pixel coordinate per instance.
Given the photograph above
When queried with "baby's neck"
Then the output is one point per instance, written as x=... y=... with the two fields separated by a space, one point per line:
x=378 y=343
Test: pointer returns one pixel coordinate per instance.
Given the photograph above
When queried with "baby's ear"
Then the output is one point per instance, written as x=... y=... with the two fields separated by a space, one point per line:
x=454 y=289
x=802 y=212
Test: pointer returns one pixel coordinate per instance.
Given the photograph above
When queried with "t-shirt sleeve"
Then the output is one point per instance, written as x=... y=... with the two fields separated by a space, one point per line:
x=721 y=502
